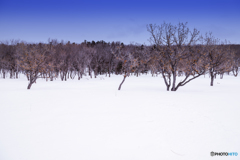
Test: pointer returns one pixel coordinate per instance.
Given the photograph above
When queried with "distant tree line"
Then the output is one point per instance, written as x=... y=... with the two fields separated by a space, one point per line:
x=174 y=51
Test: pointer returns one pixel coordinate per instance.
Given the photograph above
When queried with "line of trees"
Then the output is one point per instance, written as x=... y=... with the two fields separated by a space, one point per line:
x=174 y=51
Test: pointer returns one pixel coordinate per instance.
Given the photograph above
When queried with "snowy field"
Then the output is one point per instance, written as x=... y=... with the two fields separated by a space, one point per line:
x=91 y=120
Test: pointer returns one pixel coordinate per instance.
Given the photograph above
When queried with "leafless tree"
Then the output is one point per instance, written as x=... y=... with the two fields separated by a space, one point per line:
x=172 y=49
x=32 y=60
x=218 y=56
x=128 y=61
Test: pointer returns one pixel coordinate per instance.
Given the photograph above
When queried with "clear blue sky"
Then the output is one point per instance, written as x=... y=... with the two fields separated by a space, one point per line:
x=109 y=20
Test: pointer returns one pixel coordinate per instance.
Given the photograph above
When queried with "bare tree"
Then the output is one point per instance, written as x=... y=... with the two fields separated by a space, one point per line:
x=172 y=48
x=128 y=61
x=32 y=60
x=218 y=56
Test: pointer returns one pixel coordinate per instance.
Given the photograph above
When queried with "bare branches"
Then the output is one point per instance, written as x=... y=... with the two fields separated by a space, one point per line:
x=174 y=44
x=175 y=51
x=33 y=60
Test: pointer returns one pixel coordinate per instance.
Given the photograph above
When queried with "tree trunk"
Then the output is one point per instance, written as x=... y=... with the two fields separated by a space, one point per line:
x=4 y=75
x=29 y=85
x=51 y=76
x=89 y=71
x=65 y=76
x=168 y=84
x=31 y=81
x=109 y=74
x=95 y=73
x=78 y=75
x=11 y=74
x=119 y=88
x=235 y=71
x=28 y=77
x=168 y=87
x=62 y=75
x=174 y=82
x=212 y=79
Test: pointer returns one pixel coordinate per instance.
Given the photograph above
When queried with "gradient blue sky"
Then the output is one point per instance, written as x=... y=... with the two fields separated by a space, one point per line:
x=108 y=20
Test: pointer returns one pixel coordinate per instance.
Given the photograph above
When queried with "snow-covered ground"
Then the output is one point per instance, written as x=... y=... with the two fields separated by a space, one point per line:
x=91 y=120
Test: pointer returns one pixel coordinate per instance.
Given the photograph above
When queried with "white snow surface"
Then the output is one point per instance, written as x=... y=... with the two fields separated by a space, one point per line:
x=89 y=119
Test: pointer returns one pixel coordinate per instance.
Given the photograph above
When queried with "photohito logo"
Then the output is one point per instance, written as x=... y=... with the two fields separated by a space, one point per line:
x=223 y=153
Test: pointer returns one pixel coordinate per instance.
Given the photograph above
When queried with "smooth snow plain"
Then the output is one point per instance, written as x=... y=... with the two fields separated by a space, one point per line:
x=89 y=119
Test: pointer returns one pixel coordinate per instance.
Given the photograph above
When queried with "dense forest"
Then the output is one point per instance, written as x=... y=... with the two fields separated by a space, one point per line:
x=174 y=51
